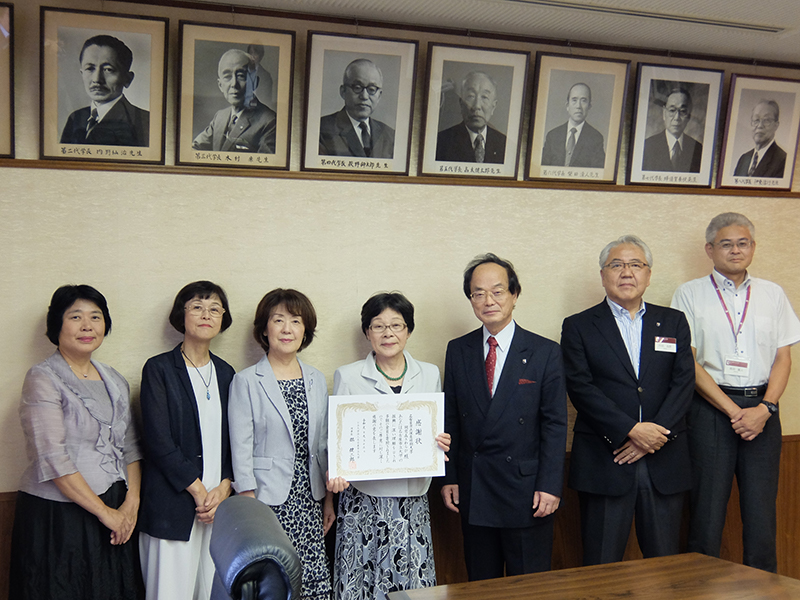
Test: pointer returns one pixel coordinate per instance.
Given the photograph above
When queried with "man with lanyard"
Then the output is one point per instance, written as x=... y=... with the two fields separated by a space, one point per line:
x=742 y=331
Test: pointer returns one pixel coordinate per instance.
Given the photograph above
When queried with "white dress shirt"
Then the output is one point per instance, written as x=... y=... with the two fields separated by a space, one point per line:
x=503 y=338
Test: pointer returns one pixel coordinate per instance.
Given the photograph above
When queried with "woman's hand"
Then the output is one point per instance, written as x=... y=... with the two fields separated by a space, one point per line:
x=119 y=524
x=328 y=514
x=336 y=485
x=443 y=441
x=212 y=500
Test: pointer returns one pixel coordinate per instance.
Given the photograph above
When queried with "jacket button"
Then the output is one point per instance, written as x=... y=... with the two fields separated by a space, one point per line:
x=521 y=421
x=640 y=389
x=508 y=459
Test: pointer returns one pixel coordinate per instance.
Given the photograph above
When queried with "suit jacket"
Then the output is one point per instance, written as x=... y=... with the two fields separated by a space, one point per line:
x=123 y=125
x=772 y=164
x=362 y=377
x=173 y=443
x=505 y=448
x=262 y=439
x=454 y=144
x=608 y=396
x=657 y=154
x=338 y=138
x=588 y=151
x=254 y=131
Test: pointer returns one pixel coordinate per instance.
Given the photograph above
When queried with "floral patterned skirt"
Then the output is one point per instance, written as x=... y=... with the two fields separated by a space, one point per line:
x=383 y=544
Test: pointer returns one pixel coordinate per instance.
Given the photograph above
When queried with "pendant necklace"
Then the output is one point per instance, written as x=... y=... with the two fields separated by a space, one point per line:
x=208 y=385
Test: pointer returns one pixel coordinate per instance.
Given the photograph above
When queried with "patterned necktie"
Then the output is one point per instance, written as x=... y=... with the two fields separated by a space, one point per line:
x=676 y=156
x=570 y=145
x=480 y=150
x=491 y=361
x=365 y=138
x=754 y=165
x=92 y=122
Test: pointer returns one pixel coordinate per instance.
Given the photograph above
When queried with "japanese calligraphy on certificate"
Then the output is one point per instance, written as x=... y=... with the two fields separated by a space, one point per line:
x=385 y=436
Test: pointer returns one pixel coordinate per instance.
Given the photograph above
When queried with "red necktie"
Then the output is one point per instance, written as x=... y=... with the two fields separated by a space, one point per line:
x=491 y=361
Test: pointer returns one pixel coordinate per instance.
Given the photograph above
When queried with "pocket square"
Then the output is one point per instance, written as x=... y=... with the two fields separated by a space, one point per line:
x=525 y=381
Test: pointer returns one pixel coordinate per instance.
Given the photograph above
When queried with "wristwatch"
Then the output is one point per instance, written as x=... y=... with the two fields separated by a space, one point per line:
x=772 y=408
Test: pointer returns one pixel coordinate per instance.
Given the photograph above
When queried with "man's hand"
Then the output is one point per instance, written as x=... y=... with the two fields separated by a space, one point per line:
x=649 y=436
x=629 y=453
x=749 y=422
x=544 y=504
x=450 y=496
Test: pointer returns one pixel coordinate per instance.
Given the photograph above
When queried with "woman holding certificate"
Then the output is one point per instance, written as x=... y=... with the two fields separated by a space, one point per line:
x=278 y=417
x=383 y=536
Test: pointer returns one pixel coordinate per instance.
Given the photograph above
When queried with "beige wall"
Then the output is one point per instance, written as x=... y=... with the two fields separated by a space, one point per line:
x=138 y=237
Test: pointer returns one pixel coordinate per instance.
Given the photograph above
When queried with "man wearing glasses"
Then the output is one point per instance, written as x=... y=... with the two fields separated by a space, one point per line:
x=766 y=159
x=742 y=332
x=474 y=140
x=352 y=131
x=246 y=125
x=630 y=375
x=505 y=409
x=672 y=149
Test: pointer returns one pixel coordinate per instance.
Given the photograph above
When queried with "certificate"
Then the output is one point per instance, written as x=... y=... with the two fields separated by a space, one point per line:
x=382 y=436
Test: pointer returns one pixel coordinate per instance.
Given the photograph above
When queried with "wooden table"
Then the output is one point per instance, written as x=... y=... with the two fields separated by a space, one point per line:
x=681 y=577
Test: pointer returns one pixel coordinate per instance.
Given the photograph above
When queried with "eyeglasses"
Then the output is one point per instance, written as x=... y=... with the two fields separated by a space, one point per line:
x=480 y=296
x=768 y=122
x=395 y=327
x=198 y=310
x=673 y=112
x=617 y=266
x=357 y=88
x=728 y=246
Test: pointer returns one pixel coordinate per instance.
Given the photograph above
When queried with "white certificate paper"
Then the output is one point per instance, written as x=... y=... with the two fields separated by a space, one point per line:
x=383 y=436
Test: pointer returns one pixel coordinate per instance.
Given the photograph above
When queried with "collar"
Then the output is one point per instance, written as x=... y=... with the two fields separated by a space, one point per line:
x=357 y=124
x=102 y=109
x=503 y=337
x=671 y=139
x=727 y=284
x=578 y=126
x=620 y=311
x=763 y=151
x=473 y=135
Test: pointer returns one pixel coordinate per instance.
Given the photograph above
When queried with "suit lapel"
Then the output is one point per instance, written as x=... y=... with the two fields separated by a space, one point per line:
x=348 y=134
x=475 y=371
x=605 y=323
x=186 y=383
x=509 y=378
x=651 y=327
x=273 y=391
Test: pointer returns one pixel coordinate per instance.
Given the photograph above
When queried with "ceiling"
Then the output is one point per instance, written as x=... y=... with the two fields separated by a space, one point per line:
x=761 y=30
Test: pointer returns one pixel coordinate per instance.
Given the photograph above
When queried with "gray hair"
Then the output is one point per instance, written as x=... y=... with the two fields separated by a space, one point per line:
x=772 y=104
x=727 y=219
x=626 y=239
x=365 y=62
x=472 y=74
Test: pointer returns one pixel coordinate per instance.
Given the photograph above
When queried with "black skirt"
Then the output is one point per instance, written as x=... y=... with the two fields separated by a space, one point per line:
x=59 y=551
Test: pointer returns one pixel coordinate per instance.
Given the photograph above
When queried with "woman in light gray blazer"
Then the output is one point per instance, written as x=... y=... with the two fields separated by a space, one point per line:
x=383 y=530
x=278 y=418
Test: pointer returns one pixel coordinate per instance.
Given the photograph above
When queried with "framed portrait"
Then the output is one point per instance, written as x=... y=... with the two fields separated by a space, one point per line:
x=235 y=96
x=760 y=145
x=103 y=78
x=577 y=119
x=675 y=126
x=6 y=81
x=359 y=103
x=473 y=111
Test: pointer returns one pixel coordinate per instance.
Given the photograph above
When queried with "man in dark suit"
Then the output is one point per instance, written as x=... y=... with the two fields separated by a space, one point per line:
x=246 y=125
x=630 y=375
x=352 y=131
x=505 y=409
x=110 y=120
x=575 y=143
x=672 y=149
x=474 y=140
x=767 y=159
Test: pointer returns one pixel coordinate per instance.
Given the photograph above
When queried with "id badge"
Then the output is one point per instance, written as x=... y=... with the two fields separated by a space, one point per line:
x=666 y=344
x=737 y=365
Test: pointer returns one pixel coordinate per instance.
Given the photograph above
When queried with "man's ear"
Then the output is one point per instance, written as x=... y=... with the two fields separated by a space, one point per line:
x=130 y=78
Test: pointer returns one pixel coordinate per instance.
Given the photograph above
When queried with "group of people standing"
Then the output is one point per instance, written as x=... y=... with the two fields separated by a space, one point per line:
x=668 y=400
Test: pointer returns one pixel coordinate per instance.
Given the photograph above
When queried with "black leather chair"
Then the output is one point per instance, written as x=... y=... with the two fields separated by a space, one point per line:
x=253 y=556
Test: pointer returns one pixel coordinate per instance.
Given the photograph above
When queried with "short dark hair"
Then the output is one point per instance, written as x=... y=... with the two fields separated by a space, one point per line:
x=124 y=54
x=514 y=286
x=380 y=302
x=66 y=296
x=296 y=303
x=198 y=289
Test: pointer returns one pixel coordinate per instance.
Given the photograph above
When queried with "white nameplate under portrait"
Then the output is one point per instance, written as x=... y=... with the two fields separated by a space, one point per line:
x=384 y=436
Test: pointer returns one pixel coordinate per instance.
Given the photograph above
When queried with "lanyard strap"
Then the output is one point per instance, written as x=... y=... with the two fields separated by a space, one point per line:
x=736 y=331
